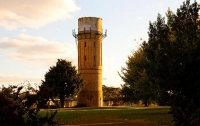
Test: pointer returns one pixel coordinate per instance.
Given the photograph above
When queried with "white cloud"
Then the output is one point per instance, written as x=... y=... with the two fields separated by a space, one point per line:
x=160 y=5
x=140 y=18
x=18 y=80
x=57 y=29
x=23 y=30
x=34 y=13
x=38 y=51
x=146 y=7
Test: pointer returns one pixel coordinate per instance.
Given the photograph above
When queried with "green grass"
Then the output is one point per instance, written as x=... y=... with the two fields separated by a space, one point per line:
x=119 y=116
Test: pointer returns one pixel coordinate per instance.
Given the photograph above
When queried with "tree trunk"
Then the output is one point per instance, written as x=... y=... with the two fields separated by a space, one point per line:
x=62 y=100
x=146 y=104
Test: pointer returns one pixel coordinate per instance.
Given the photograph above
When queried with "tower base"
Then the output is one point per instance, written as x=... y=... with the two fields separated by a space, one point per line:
x=90 y=98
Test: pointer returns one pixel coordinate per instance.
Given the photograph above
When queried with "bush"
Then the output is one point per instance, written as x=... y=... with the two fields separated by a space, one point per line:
x=17 y=109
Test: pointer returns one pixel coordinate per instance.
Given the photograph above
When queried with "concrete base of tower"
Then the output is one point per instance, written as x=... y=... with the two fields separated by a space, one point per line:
x=90 y=98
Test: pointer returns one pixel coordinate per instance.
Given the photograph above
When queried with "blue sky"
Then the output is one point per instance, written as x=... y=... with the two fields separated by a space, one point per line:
x=35 y=33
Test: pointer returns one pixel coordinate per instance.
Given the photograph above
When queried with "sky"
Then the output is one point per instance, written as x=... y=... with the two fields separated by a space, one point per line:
x=35 y=33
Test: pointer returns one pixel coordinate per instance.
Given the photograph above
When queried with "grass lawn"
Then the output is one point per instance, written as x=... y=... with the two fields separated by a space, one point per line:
x=114 y=116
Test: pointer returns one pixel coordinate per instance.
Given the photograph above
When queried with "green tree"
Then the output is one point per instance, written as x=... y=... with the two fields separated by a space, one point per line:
x=111 y=93
x=62 y=81
x=144 y=89
x=127 y=94
x=19 y=107
x=158 y=56
x=172 y=53
x=136 y=80
x=44 y=95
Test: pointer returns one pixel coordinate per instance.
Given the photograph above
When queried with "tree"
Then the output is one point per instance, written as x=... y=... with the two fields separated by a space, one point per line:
x=173 y=55
x=135 y=78
x=62 y=81
x=145 y=90
x=16 y=108
x=111 y=94
x=158 y=56
x=128 y=94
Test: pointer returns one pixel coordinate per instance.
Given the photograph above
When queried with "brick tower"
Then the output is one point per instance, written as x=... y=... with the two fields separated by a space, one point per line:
x=90 y=35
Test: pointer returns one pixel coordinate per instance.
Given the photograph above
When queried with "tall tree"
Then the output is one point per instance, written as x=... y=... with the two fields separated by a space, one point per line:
x=62 y=80
x=134 y=76
x=173 y=55
x=158 y=57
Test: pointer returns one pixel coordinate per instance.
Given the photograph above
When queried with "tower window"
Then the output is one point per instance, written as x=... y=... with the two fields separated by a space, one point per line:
x=94 y=58
x=94 y=44
x=85 y=44
x=85 y=58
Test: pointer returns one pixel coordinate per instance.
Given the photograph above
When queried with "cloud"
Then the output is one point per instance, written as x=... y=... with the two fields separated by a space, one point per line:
x=38 y=51
x=23 y=30
x=146 y=7
x=34 y=13
x=57 y=29
x=160 y=5
x=140 y=18
x=18 y=80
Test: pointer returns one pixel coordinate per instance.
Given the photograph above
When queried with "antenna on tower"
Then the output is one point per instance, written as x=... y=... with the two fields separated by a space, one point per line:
x=76 y=38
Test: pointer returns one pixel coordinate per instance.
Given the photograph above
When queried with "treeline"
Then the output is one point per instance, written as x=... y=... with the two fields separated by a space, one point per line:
x=166 y=68
x=20 y=105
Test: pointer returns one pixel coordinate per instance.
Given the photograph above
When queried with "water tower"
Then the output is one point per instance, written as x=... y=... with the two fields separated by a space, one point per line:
x=89 y=45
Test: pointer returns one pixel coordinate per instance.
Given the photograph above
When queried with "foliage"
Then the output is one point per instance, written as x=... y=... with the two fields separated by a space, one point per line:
x=111 y=94
x=158 y=56
x=127 y=94
x=20 y=108
x=137 y=84
x=61 y=81
x=173 y=55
